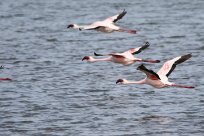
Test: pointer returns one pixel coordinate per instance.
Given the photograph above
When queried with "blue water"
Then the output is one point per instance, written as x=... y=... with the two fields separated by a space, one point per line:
x=54 y=93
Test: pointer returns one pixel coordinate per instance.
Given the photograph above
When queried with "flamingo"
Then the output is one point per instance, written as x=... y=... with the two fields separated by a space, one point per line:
x=3 y=78
x=159 y=79
x=125 y=58
x=107 y=25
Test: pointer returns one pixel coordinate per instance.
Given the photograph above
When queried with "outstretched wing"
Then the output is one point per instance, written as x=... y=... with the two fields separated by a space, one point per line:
x=116 y=17
x=170 y=65
x=134 y=51
x=150 y=73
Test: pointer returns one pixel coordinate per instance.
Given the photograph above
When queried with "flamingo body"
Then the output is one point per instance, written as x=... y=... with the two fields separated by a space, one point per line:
x=126 y=58
x=106 y=26
x=159 y=79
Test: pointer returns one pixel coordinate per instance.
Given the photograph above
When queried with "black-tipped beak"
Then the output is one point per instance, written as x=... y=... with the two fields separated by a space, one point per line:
x=139 y=67
x=85 y=58
x=70 y=26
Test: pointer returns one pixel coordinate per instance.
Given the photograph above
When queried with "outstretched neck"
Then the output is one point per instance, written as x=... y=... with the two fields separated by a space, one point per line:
x=135 y=82
x=101 y=59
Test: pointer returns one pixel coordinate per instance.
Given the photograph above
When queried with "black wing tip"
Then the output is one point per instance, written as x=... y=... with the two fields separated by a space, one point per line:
x=96 y=54
x=141 y=67
x=124 y=11
x=183 y=58
x=188 y=56
x=147 y=44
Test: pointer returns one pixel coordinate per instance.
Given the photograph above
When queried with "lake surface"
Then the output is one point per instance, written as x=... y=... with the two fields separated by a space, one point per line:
x=54 y=93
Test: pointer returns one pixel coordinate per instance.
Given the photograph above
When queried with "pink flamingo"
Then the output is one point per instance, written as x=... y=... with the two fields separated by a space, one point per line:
x=125 y=58
x=159 y=79
x=106 y=26
x=2 y=78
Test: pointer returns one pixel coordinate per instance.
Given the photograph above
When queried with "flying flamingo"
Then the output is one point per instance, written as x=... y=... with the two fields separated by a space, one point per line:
x=159 y=79
x=107 y=25
x=125 y=58
x=3 y=78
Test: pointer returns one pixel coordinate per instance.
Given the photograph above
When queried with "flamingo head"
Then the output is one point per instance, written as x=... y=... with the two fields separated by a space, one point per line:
x=88 y=58
x=121 y=81
x=75 y=26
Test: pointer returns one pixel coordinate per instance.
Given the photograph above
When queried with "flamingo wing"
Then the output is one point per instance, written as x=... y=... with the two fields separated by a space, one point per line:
x=115 y=18
x=139 y=49
x=170 y=65
x=118 y=56
x=150 y=73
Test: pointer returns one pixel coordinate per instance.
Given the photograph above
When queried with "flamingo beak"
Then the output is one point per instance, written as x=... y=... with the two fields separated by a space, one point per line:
x=85 y=58
x=70 y=26
x=119 y=81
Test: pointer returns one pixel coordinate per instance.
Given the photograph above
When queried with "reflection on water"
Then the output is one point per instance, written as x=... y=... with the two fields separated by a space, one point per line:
x=54 y=93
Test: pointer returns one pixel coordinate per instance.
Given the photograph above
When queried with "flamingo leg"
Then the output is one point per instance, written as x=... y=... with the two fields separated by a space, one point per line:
x=128 y=31
x=182 y=86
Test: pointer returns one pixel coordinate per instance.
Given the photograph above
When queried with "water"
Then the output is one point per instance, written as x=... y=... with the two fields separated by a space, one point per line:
x=54 y=93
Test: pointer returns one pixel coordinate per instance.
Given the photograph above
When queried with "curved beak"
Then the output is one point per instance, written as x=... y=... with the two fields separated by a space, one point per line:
x=119 y=81
x=70 y=26
x=85 y=58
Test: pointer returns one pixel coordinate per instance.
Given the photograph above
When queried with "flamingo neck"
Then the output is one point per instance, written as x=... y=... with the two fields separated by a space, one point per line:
x=135 y=82
x=101 y=59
